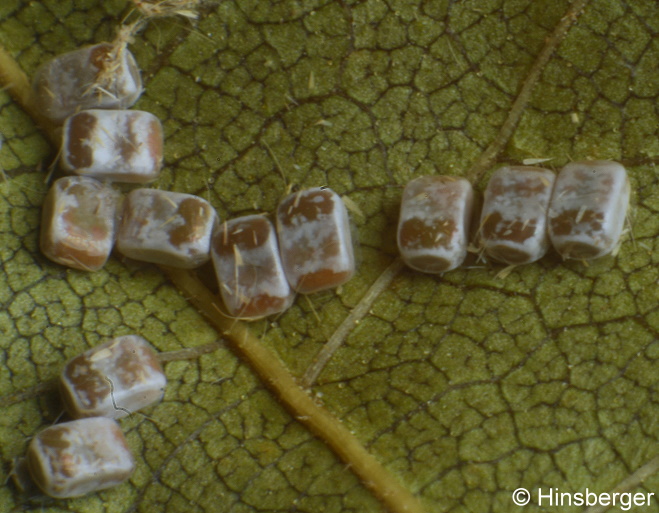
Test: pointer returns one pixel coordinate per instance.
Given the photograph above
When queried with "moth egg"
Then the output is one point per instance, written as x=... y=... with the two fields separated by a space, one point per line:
x=112 y=379
x=79 y=457
x=168 y=228
x=252 y=282
x=588 y=209
x=97 y=76
x=78 y=223
x=434 y=221
x=513 y=226
x=314 y=240
x=117 y=145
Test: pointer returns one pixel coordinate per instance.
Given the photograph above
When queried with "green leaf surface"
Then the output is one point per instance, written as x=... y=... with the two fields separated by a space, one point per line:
x=466 y=386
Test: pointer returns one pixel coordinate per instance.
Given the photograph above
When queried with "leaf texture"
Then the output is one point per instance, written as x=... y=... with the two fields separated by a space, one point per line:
x=466 y=386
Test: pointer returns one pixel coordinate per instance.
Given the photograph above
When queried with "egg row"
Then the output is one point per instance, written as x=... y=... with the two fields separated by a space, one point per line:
x=257 y=269
x=90 y=453
x=517 y=220
x=581 y=212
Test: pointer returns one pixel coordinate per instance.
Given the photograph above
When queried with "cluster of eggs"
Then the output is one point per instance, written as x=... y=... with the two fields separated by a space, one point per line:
x=83 y=217
x=259 y=269
x=91 y=453
x=581 y=212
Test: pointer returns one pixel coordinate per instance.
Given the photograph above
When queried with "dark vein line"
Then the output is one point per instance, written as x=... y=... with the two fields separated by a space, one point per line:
x=486 y=158
x=299 y=403
x=328 y=428
x=323 y=356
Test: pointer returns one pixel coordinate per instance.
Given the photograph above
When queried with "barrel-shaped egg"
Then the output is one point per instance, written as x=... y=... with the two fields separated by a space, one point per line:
x=168 y=228
x=314 y=240
x=433 y=227
x=588 y=209
x=117 y=145
x=78 y=222
x=79 y=457
x=513 y=226
x=112 y=379
x=245 y=254
x=101 y=76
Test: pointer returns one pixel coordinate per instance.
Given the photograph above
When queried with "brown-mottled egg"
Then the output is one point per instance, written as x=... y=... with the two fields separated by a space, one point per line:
x=78 y=222
x=588 y=208
x=113 y=379
x=513 y=226
x=97 y=76
x=117 y=145
x=434 y=221
x=252 y=282
x=168 y=228
x=314 y=240
x=79 y=457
